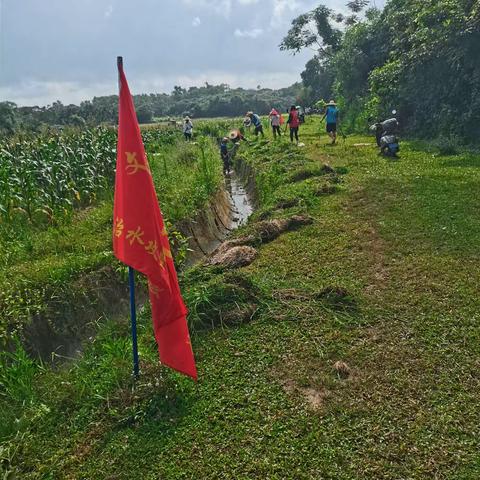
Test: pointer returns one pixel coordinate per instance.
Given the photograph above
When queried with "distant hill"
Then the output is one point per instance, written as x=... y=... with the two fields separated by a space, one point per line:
x=206 y=101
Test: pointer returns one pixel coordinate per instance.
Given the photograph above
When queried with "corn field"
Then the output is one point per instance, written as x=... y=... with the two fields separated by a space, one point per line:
x=47 y=176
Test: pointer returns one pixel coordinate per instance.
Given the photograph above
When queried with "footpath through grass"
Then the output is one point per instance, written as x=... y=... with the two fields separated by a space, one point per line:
x=384 y=280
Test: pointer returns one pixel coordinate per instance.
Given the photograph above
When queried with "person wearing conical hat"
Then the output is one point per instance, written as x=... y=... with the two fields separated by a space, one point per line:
x=331 y=114
x=236 y=136
x=275 y=121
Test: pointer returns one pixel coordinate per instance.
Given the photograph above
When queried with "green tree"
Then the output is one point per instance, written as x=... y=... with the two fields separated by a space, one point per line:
x=8 y=117
x=144 y=114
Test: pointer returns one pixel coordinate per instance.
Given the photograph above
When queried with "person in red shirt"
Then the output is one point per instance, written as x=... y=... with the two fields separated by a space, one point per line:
x=294 y=123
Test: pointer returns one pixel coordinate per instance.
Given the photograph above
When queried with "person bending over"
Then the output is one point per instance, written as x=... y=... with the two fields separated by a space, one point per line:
x=257 y=123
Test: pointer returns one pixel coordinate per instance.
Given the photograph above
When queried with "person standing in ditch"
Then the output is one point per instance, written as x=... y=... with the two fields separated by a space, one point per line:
x=275 y=122
x=331 y=114
x=257 y=123
x=225 y=155
x=188 y=129
x=294 y=123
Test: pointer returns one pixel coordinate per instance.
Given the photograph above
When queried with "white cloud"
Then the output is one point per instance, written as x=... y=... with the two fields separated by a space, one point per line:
x=253 y=33
x=282 y=10
x=220 y=7
x=196 y=22
x=108 y=12
x=247 y=2
x=43 y=93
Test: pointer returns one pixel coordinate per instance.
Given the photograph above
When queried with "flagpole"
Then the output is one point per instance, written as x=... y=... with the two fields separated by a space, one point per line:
x=133 y=316
x=131 y=280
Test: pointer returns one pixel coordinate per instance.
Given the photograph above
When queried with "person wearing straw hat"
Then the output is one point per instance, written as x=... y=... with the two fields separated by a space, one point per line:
x=188 y=129
x=276 y=121
x=257 y=123
x=331 y=114
x=236 y=136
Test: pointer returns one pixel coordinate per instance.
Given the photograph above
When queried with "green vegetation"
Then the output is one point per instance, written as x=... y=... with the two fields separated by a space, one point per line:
x=416 y=57
x=48 y=175
x=384 y=280
x=58 y=273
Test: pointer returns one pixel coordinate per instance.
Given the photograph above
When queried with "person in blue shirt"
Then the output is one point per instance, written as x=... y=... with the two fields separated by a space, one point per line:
x=256 y=122
x=331 y=114
x=225 y=155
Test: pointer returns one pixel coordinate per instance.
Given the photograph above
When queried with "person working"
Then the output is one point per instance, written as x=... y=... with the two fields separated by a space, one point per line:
x=256 y=122
x=225 y=156
x=188 y=129
x=293 y=122
x=275 y=121
x=387 y=127
x=236 y=136
x=331 y=114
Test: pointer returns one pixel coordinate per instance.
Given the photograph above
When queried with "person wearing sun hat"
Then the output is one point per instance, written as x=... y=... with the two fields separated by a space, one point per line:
x=331 y=114
x=275 y=121
x=257 y=123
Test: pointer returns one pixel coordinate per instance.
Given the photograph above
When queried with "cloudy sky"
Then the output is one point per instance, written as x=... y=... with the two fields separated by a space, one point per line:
x=66 y=49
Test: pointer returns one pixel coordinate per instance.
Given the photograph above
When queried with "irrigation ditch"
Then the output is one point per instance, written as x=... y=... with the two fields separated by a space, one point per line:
x=57 y=334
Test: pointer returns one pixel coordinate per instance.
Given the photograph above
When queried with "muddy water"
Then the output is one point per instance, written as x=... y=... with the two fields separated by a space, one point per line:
x=241 y=204
x=229 y=211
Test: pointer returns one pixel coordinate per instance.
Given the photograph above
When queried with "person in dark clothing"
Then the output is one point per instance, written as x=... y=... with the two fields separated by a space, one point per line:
x=225 y=155
x=293 y=122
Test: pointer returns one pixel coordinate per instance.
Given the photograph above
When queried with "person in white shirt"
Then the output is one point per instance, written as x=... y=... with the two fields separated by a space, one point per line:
x=188 y=129
x=275 y=122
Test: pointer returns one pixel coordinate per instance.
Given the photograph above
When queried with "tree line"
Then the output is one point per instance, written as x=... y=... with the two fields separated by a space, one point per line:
x=205 y=101
x=419 y=57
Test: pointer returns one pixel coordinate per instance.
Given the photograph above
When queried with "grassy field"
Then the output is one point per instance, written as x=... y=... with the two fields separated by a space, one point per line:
x=385 y=280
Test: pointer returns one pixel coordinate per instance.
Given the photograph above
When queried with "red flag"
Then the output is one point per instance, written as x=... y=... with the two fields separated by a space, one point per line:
x=140 y=239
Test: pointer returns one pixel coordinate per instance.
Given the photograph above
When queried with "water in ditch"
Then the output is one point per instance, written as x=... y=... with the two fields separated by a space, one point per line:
x=203 y=238
x=241 y=204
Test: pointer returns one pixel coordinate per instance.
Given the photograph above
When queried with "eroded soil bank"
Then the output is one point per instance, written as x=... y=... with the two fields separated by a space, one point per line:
x=60 y=332
x=228 y=210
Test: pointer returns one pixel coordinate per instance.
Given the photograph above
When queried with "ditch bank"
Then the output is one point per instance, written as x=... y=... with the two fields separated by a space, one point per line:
x=228 y=210
x=57 y=332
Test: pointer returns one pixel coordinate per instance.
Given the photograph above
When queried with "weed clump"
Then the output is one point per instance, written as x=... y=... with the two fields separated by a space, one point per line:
x=221 y=299
x=234 y=257
x=304 y=173
x=342 y=369
x=269 y=230
x=336 y=297
x=325 y=189
x=447 y=145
